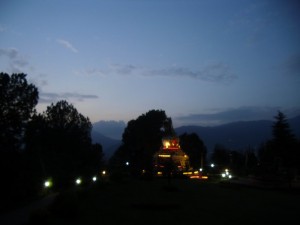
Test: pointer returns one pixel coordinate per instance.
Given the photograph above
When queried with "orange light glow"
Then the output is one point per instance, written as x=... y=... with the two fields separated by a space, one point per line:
x=199 y=177
x=164 y=156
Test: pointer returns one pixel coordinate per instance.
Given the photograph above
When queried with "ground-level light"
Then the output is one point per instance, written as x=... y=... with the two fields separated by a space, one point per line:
x=48 y=184
x=94 y=178
x=78 y=181
x=226 y=174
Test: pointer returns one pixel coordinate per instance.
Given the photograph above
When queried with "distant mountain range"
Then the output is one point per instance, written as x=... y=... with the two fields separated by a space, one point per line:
x=236 y=135
x=109 y=145
x=112 y=129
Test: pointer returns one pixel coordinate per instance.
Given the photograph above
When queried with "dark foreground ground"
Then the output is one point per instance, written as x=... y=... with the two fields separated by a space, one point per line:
x=182 y=202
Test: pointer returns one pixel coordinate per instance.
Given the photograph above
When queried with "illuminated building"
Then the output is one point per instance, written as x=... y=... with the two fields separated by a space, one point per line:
x=170 y=159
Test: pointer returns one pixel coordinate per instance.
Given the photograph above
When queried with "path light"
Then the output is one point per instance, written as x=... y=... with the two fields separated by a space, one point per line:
x=226 y=174
x=78 y=181
x=48 y=184
x=94 y=178
x=103 y=172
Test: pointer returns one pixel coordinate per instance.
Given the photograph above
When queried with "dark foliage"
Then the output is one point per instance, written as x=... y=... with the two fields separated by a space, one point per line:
x=194 y=147
x=281 y=154
x=18 y=99
x=240 y=163
x=17 y=103
x=141 y=139
x=59 y=144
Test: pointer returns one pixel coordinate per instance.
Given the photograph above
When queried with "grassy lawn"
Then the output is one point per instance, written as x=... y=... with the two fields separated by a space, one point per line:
x=184 y=202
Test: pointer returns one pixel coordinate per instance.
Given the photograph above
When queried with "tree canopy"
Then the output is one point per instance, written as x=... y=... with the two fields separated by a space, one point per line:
x=61 y=139
x=282 y=152
x=18 y=99
x=194 y=147
x=141 y=139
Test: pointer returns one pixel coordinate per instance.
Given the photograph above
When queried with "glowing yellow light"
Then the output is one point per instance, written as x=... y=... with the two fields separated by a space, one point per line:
x=204 y=177
x=194 y=177
x=196 y=172
x=187 y=173
x=143 y=171
x=159 y=173
x=167 y=144
x=185 y=156
x=164 y=156
x=103 y=172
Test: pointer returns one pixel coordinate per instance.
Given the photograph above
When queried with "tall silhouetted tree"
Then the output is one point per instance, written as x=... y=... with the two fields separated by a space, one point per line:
x=141 y=139
x=18 y=99
x=284 y=141
x=281 y=153
x=194 y=147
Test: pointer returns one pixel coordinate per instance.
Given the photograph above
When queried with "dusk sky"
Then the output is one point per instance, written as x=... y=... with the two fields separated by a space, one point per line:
x=204 y=62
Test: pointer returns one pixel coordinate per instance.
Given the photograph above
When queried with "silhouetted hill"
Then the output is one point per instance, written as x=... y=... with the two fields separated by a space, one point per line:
x=238 y=135
x=109 y=145
x=112 y=129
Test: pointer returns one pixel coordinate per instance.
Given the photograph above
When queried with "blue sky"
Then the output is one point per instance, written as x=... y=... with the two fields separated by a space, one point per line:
x=204 y=62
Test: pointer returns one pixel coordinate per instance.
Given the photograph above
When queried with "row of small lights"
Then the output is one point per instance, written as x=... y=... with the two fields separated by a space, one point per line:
x=226 y=174
x=48 y=183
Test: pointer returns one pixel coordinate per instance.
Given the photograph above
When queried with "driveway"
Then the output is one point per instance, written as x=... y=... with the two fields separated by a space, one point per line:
x=22 y=215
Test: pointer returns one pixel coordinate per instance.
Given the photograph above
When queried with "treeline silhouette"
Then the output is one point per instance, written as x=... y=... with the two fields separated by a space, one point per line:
x=55 y=144
x=276 y=159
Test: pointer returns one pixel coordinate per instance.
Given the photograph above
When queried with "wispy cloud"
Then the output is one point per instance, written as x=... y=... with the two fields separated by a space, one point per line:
x=17 y=62
x=216 y=72
x=67 y=45
x=249 y=113
x=50 y=97
x=11 y=53
x=124 y=69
